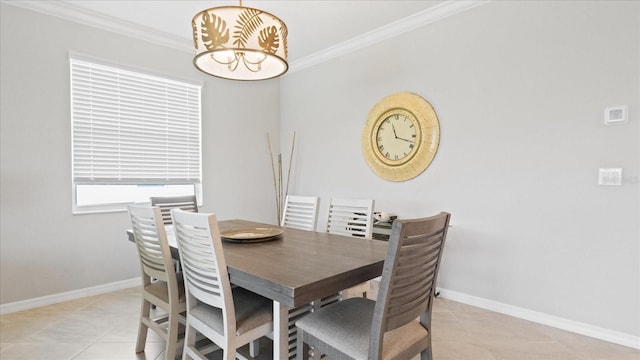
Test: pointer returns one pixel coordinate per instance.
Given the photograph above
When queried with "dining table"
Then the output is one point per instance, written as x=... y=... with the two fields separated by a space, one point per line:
x=296 y=270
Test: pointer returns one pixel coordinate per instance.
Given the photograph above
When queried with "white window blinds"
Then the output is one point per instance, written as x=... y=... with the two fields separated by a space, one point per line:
x=133 y=128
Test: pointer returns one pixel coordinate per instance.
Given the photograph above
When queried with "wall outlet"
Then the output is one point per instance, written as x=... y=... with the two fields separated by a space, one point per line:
x=615 y=115
x=610 y=176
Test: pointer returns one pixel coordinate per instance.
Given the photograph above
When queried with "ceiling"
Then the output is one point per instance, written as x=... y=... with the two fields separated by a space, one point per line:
x=314 y=25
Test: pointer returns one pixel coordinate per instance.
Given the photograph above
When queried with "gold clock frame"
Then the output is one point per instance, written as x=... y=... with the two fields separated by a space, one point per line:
x=427 y=136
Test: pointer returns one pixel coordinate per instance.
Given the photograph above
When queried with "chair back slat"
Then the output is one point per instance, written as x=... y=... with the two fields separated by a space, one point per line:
x=151 y=242
x=351 y=217
x=166 y=203
x=201 y=272
x=300 y=212
x=409 y=275
x=202 y=259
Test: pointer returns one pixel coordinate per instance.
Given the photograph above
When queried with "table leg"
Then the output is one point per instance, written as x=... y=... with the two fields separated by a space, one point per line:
x=280 y=331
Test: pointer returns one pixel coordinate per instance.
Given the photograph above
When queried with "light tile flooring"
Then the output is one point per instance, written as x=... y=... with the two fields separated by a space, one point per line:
x=105 y=327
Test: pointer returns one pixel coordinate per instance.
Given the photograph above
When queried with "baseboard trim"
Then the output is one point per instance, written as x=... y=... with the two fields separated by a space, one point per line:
x=611 y=336
x=67 y=296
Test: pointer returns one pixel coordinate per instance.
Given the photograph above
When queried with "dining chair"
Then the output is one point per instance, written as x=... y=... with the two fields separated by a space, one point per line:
x=166 y=203
x=387 y=328
x=166 y=291
x=300 y=212
x=229 y=317
x=350 y=217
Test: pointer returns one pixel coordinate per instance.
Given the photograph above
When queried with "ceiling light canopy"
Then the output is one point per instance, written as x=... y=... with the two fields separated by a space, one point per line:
x=240 y=43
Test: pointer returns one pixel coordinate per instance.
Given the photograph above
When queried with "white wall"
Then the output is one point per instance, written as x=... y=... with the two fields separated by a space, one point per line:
x=46 y=250
x=520 y=89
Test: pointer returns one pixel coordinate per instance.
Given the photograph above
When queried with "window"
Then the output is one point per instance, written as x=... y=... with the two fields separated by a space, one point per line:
x=134 y=135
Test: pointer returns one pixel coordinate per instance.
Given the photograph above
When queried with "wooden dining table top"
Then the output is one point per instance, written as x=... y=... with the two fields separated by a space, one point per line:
x=300 y=266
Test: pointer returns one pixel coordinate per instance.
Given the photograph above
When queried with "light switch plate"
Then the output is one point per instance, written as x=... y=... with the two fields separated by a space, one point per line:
x=610 y=176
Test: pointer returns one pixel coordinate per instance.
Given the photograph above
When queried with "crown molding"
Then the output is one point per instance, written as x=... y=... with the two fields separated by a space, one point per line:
x=77 y=14
x=430 y=15
x=74 y=13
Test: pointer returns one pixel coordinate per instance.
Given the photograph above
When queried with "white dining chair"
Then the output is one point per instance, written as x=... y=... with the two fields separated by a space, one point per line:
x=166 y=203
x=387 y=328
x=161 y=286
x=350 y=217
x=229 y=317
x=300 y=212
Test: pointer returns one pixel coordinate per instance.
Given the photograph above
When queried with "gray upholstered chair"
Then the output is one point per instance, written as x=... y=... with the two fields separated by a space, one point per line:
x=166 y=203
x=387 y=328
x=166 y=291
x=230 y=318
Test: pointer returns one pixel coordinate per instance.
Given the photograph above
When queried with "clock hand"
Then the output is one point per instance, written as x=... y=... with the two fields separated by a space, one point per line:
x=394 y=131
x=407 y=140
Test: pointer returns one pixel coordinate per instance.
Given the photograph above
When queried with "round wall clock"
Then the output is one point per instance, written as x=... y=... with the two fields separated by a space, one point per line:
x=401 y=136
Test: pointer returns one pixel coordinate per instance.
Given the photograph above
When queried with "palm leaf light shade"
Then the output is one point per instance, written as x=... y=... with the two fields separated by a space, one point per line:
x=240 y=43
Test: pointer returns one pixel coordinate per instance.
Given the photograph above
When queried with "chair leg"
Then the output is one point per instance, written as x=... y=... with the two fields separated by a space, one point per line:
x=229 y=350
x=142 y=328
x=229 y=354
x=172 y=337
x=302 y=349
x=426 y=354
x=189 y=341
x=254 y=348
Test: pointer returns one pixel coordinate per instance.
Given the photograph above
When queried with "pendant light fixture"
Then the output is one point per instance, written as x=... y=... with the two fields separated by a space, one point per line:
x=240 y=43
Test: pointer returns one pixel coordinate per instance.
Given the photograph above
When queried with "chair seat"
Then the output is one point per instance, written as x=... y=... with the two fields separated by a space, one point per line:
x=346 y=325
x=160 y=289
x=252 y=310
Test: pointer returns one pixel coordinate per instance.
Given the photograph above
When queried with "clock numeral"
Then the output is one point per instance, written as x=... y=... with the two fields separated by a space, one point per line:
x=396 y=157
x=387 y=155
x=379 y=138
x=411 y=126
x=411 y=146
x=397 y=116
x=381 y=147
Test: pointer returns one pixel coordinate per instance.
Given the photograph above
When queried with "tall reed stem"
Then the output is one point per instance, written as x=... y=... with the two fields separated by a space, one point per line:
x=280 y=188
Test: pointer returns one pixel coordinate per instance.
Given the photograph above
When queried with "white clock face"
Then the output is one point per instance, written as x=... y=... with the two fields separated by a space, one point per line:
x=396 y=137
